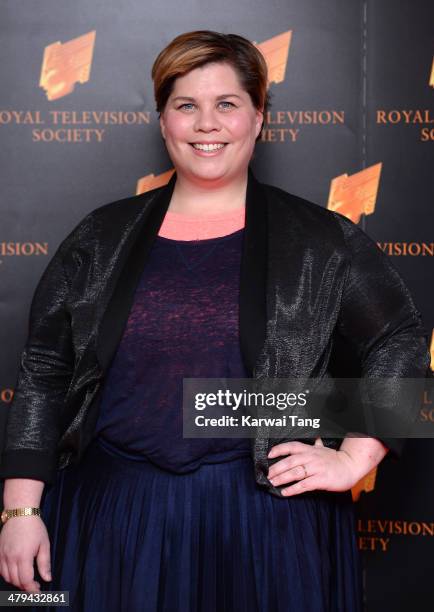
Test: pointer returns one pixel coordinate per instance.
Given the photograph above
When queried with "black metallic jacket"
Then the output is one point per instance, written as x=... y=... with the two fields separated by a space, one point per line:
x=311 y=281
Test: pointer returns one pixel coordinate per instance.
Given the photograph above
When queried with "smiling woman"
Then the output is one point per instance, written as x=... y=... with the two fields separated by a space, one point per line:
x=210 y=138
x=214 y=275
x=211 y=93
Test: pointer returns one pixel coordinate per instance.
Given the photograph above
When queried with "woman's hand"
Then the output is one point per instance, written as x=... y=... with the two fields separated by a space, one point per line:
x=319 y=467
x=23 y=538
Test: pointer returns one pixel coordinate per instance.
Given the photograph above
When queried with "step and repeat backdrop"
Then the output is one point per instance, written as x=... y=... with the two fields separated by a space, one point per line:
x=351 y=127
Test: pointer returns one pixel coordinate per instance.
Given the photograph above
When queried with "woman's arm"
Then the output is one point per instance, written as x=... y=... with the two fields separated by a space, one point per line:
x=380 y=321
x=21 y=492
x=46 y=369
x=29 y=457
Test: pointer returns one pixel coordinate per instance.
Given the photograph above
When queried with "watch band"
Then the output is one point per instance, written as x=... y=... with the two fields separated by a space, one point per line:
x=7 y=514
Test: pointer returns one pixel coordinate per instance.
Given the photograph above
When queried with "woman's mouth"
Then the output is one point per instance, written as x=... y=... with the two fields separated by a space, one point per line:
x=208 y=148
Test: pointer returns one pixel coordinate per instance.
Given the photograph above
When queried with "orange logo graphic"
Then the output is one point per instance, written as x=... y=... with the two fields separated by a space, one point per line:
x=366 y=484
x=353 y=196
x=431 y=79
x=66 y=64
x=150 y=181
x=275 y=51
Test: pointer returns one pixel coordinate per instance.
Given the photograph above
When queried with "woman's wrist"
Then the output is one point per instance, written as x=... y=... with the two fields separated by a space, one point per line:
x=364 y=453
x=22 y=492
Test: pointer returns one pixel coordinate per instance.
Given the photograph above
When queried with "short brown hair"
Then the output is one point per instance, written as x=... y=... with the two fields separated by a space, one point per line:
x=197 y=48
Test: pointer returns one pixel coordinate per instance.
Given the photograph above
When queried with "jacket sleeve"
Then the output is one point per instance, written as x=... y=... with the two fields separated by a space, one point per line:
x=378 y=317
x=45 y=372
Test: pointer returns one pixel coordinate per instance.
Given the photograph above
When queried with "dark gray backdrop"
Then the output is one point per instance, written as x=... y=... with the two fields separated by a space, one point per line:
x=351 y=56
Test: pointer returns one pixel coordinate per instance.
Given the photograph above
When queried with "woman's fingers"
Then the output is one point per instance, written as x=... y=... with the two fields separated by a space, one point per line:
x=292 y=451
x=286 y=464
x=296 y=473
x=43 y=561
x=5 y=571
x=284 y=448
x=326 y=469
x=307 y=484
x=26 y=576
x=13 y=574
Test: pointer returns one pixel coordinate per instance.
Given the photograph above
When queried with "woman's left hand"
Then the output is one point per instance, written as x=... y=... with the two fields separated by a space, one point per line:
x=312 y=467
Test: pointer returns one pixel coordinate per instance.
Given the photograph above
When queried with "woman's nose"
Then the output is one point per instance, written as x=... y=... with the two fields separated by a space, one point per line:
x=207 y=120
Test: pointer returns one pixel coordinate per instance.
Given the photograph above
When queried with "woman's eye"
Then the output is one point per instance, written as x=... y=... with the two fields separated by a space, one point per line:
x=226 y=102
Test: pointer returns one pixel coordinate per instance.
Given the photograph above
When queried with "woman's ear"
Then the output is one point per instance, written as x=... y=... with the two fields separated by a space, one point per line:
x=259 y=121
x=162 y=127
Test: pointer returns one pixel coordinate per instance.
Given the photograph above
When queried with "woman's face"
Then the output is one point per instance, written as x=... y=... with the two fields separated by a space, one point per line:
x=208 y=107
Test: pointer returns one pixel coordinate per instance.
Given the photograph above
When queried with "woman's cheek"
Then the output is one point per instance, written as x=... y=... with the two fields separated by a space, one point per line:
x=239 y=126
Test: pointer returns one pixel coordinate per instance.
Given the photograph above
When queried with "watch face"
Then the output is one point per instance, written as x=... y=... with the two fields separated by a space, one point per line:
x=4 y=516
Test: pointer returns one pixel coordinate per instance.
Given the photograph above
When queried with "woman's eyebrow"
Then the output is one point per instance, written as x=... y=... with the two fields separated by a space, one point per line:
x=230 y=95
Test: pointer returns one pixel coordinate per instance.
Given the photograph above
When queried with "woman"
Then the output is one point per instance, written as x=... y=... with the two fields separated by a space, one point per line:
x=139 y=518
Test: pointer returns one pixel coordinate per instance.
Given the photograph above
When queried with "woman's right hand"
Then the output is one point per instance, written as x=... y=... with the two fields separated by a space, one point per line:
x=22 y=538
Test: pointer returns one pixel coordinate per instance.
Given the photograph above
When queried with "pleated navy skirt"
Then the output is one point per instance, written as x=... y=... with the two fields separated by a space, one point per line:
x=127 y=536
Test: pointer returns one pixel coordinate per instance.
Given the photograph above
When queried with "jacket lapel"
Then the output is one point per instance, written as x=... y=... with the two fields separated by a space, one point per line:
x=252 y=276
x=127 y=275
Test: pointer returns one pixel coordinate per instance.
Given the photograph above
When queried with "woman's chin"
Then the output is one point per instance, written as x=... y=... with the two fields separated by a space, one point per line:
x=214 y=174
x=211 y=175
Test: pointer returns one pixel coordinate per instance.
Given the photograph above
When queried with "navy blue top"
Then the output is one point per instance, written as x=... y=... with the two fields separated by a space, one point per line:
x=184 y=322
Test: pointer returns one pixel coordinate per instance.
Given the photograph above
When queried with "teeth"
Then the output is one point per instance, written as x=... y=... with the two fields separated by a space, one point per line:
x=208 y=147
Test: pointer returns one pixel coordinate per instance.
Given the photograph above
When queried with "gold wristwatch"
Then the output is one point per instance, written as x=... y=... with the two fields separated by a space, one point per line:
x=7 y=514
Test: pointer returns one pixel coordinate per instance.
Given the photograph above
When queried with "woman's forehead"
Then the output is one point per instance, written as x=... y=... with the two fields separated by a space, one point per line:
x=213 y=78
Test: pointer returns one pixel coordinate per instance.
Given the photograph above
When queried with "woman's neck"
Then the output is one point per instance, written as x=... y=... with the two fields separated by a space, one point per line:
x=200 y=200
